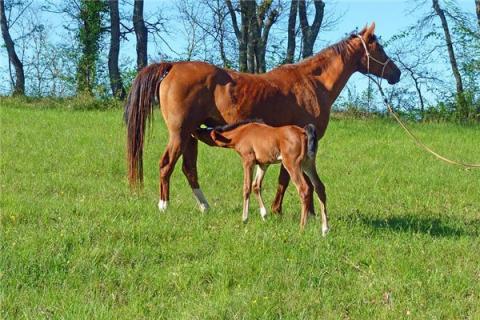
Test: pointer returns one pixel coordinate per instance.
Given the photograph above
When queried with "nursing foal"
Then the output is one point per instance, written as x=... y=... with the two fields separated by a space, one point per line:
x=262 y=145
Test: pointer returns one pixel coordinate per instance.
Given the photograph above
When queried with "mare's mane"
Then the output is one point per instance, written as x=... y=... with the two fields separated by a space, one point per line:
x=342 y=48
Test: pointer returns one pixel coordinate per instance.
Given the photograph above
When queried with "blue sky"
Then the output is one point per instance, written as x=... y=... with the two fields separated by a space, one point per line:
x=390 y=16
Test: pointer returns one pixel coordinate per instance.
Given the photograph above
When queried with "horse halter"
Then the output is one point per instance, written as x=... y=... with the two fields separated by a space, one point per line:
x=384 y=64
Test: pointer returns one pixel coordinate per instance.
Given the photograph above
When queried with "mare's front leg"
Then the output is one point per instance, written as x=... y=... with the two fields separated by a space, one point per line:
x=257 y=188
x=189 y=168
x=283 y=180
x=248 y=166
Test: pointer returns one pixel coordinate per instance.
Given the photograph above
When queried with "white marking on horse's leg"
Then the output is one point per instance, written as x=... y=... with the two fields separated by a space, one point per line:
x=162 y=205
x=325 y=230
x=263 y=212
x=257 y=186
x=245 y=211
x=201 y=200
x=324 y=219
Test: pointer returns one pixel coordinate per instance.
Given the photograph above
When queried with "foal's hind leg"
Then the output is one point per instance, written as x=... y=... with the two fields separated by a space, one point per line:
x=189 y=168
x=166 y=166
x=311 y=171
x=247 y=186
x=300 y=182
x=283 y=180
x=257 y=188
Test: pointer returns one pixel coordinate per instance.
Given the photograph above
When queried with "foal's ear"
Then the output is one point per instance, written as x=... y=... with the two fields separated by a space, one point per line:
x=219 y=139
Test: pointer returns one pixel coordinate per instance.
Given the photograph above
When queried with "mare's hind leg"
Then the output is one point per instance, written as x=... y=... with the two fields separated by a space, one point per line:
x=189 y=167
x=283 y=180
x=311 y=171
x=166 y=166
x=257 y=188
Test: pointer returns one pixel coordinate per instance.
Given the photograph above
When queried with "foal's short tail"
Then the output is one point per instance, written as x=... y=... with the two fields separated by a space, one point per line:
x=139 y=107
x=312 y=141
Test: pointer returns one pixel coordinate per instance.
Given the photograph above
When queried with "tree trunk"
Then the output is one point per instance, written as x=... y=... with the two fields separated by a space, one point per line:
x=250 y=13
x=220 y=17
x=141 y=33
x=264 y=24
x=310 y=33
x=19 y=88
x=89 y=34
x=477 y=5
x=247 y=12
x=114 y=72
x=420 y=96
x=451 y=53
x=292 y=21
x=252 y=35
x=241 y=33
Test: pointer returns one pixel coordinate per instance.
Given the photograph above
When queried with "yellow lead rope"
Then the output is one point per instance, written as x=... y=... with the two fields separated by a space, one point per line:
x=414 y=138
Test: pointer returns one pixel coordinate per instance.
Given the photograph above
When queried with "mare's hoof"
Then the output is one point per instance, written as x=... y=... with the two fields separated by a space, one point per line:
x=162 y=205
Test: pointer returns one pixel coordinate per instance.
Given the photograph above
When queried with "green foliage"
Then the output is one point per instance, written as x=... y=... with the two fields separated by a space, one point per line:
x=80 y=102
x=460 y=110
x=77 y=244
x=128 y=75
x=89 y=36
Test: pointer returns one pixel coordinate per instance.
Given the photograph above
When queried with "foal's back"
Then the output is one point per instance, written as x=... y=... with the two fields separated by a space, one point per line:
x=270 y=144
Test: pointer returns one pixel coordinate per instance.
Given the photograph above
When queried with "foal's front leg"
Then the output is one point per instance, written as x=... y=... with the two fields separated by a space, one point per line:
x=257 y=188
x=247 y=186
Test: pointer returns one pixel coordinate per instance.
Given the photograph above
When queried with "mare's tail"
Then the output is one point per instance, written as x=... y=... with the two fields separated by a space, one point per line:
x=312 y=141
x=139 y=107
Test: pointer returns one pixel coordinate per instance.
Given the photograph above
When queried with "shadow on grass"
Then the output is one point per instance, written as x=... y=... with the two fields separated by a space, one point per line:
x=435 y=227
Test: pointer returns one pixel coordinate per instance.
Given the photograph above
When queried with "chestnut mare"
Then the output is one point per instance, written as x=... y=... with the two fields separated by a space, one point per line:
x=196 y=93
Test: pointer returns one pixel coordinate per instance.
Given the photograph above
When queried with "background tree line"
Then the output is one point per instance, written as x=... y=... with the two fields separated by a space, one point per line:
x=439 y=54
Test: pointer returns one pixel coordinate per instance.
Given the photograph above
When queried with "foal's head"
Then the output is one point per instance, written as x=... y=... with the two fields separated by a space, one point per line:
x=374 y=60
x=223 y=136
x=212 y=137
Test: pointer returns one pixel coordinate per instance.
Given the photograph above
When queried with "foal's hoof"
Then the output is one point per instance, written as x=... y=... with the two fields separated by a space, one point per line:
x=325 y=231
x=245 y=221
x=263 y=213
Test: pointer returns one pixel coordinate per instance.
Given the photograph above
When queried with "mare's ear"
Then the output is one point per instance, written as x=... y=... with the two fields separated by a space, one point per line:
x=219 y=139
x=364 y=29
x=369 y=32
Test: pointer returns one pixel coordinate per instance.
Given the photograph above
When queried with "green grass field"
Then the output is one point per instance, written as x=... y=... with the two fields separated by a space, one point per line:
x=404 y=239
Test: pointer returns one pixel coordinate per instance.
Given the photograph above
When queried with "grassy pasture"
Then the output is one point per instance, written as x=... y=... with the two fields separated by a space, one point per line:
x=75 y=243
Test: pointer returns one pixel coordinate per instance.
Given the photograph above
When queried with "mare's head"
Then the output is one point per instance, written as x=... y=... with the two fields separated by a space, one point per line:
x=374 y=60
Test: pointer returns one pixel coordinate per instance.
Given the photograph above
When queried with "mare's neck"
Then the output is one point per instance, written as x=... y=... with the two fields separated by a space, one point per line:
x=331 y=71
